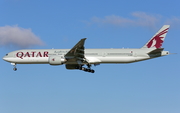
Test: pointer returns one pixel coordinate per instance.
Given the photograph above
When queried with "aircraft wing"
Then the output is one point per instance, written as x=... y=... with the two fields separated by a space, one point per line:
x=77 y=52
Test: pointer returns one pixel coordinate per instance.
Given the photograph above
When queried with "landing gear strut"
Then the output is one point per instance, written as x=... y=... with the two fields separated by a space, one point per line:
x=14 y=64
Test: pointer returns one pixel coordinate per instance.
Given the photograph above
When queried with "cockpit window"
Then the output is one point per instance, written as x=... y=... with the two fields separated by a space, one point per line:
x=6 y=54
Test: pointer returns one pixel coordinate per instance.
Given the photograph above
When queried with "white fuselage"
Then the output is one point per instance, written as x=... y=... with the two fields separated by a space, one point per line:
x=93 y=56
x=78 y=56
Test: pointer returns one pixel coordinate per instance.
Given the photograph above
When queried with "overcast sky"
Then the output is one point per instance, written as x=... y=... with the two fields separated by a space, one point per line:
x=150 y=86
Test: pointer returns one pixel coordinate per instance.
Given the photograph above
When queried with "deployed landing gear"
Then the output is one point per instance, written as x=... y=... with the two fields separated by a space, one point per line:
x=14 y=68
x=14 y=64
x=86 y=69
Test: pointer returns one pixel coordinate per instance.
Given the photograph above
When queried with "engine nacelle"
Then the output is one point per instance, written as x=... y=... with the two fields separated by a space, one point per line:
x=56 y=60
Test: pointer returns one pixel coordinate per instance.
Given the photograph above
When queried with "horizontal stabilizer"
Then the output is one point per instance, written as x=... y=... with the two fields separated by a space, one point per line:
x=158 y=50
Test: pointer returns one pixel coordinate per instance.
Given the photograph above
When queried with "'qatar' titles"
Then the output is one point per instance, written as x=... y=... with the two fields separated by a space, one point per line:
x=32 y=54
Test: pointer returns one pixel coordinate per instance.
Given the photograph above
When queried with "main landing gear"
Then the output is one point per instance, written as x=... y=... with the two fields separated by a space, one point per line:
x=14 y=64
x=88 y=69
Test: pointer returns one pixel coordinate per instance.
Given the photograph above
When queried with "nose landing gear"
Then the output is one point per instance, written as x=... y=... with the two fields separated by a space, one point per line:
x=14 y=64
x=15 y=69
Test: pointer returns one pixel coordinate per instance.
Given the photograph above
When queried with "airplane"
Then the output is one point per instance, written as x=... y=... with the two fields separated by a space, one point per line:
x=82 y=59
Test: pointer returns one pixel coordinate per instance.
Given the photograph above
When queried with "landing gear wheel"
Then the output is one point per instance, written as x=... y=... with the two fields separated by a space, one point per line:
x=83 y=68
x=88 y=69
x=14 y=68
x=92 y=71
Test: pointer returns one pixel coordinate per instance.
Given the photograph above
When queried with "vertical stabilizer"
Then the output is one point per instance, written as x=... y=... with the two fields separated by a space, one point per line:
x=157 y=40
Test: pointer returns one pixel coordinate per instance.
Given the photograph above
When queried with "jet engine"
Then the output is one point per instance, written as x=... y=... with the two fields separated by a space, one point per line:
x=56 y=60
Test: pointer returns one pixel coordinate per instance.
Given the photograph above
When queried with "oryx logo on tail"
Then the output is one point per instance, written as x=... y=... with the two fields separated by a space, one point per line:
x=157 y=40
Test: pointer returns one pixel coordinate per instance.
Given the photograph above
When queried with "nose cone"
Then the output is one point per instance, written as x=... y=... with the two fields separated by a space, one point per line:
x=5 y=58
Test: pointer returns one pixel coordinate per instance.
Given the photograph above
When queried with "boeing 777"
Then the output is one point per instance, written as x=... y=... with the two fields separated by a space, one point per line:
x=80 y=58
